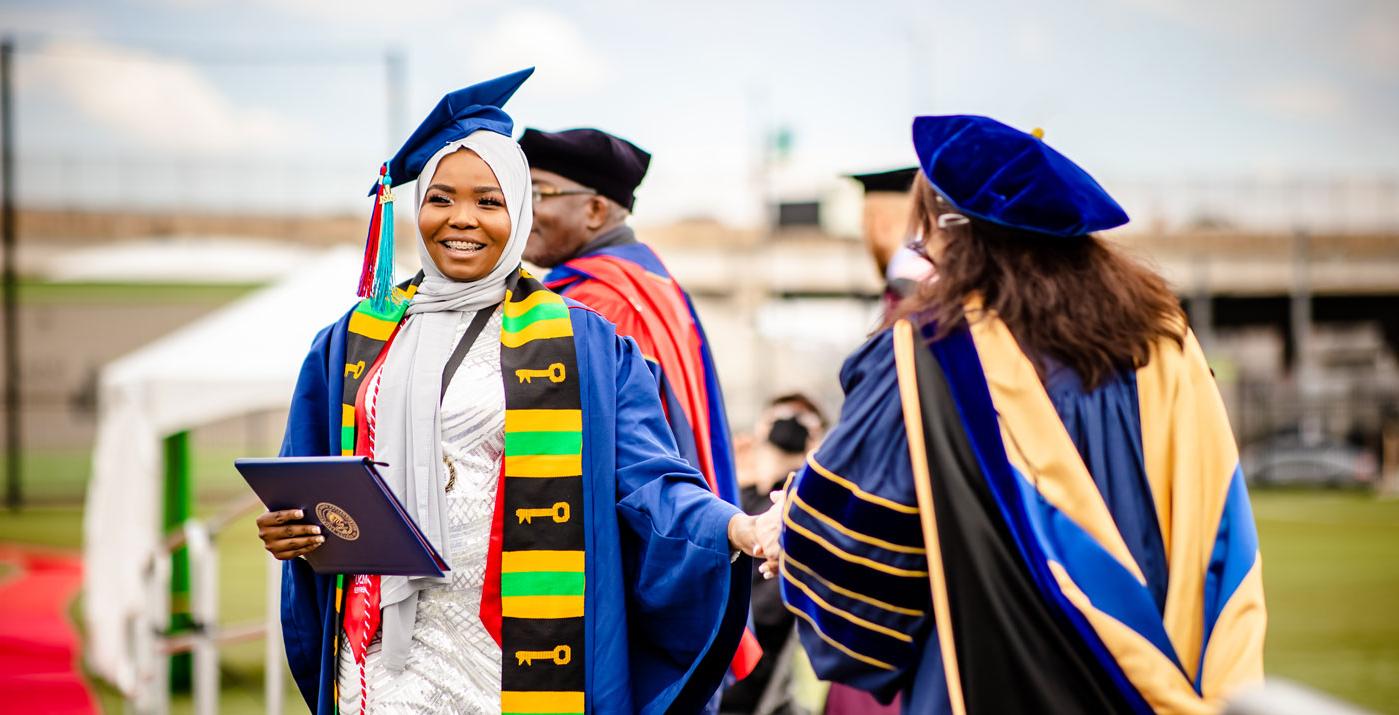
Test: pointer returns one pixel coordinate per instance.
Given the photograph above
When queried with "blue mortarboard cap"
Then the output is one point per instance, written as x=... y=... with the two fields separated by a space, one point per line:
x=459 y=114
x=1000 y=174
x=455 y=117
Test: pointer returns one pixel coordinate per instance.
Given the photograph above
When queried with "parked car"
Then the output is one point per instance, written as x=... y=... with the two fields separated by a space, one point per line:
x=1289 y=459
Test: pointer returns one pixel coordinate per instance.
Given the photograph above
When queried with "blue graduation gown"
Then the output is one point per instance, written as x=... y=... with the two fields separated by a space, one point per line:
x=665 y=604
x=659 y=311
x=856 y=574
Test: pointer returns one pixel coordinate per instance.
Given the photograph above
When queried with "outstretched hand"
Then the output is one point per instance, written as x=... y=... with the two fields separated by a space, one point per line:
x=743 y=534
x=760 y=536
x=769 y=525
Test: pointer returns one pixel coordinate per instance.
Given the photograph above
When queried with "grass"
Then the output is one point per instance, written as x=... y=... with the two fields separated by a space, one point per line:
x=60 y=476
x=1330 y=570
x=1331 y=574
x=54 y=475
x=57 y=527
x=34 y=292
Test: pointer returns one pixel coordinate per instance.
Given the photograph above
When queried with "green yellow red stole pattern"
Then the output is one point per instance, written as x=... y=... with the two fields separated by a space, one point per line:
x=542 y=556
x=540 y=510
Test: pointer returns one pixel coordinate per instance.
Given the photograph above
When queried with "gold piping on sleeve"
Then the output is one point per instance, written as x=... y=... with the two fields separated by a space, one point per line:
x=826 y=606
x=847 y=556
x=851 y=594
x=871 y=540
x=837 y=644
x=889 y=504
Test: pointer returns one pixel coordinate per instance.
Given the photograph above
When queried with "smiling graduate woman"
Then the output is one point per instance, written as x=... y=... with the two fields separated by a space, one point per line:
x=491 y=398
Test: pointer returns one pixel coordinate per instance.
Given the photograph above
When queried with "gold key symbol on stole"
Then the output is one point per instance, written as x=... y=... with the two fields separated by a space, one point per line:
x=554 y=372
x=558 y=512
x=560 y=655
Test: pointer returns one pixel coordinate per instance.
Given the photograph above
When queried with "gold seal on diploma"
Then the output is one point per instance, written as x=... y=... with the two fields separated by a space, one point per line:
x=338 y=521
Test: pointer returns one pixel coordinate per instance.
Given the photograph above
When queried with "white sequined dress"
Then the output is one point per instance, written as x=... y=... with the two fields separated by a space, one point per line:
x=453 y=663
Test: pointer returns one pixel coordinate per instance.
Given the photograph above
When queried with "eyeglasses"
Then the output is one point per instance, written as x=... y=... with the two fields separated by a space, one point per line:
x=548 y=192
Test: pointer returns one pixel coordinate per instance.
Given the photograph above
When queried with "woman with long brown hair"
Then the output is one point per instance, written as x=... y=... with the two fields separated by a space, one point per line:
x=1032 y=501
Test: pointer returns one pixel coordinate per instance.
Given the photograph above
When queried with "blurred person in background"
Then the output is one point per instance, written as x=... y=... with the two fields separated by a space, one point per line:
x=890 y=235
x=585 y=184
x=1031 y=501
x=536 y=459
x=790 y=426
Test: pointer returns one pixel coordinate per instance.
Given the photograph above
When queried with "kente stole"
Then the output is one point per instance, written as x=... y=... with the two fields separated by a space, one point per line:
x=533 y=601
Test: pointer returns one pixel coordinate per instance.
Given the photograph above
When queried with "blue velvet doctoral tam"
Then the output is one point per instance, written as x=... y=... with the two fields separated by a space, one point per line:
x=665 y=605
x=1000 y=174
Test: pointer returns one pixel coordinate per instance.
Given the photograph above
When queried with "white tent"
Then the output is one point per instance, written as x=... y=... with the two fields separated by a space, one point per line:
x=240 y=359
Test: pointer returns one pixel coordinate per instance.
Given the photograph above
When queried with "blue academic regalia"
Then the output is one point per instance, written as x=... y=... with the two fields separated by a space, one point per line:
x=857 y=570
x=677 y=321
x=868 y=446
x=665 y=604
x=983 y=534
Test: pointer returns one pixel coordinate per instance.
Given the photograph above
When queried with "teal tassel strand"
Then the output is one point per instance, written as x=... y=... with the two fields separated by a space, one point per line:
x=381 y=295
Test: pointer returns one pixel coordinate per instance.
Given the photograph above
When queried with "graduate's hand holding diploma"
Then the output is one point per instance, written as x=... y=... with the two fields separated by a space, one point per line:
x=284 y=539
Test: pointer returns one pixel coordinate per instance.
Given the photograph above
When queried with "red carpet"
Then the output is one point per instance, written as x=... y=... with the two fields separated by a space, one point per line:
x=38 y=645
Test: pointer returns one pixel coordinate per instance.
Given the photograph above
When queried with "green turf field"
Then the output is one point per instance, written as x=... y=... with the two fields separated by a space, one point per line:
x=1329 y=564
x=54 y=477
x=1331 y=570
x=33 y=292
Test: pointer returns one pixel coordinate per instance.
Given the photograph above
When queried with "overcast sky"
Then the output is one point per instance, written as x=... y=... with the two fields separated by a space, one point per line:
x=1132 y=89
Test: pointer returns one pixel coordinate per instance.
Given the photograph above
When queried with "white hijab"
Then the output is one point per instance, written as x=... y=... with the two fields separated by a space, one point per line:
x=408 y=425
x=505 y=158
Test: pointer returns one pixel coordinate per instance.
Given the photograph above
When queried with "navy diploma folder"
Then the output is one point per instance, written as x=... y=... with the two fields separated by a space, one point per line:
x=365 y=528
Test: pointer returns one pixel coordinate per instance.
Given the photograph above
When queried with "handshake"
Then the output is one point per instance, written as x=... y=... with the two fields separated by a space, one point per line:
x=760 y=536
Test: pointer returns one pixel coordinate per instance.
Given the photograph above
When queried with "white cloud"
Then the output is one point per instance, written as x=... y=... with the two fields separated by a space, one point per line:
x=1221 y=16
x=566 y=63
x=1309 y=99
x=1374 y=40
x=161 y=102
x=1032 y=40
x=28 y=19
x=1362 y=33
x=370 y=14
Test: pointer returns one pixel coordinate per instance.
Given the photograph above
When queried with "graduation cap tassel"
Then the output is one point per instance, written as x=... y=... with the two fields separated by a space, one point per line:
x=369 y=270
x=382 y=290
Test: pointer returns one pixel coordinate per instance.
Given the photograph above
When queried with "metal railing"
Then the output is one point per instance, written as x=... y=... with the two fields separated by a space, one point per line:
x=154 y=643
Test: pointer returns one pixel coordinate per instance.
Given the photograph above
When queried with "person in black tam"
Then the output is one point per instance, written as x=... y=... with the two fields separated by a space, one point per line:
x=886 y=209
x=584 y=181
x=888 y=232
x=787 y=429
x=584 y=189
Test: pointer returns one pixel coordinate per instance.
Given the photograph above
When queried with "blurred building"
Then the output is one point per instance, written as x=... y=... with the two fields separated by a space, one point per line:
x=1299 y=312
